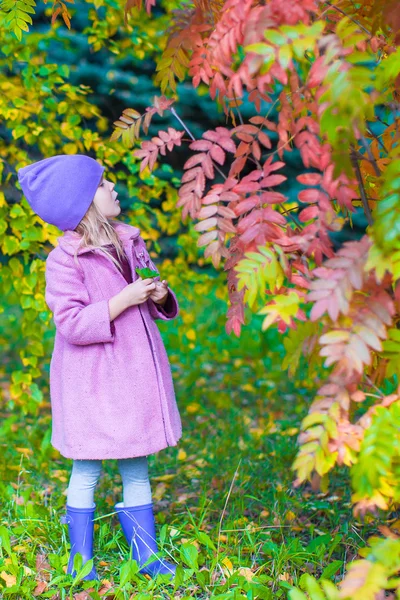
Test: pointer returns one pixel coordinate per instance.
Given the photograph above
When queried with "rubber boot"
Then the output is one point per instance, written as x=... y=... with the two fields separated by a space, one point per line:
x=80 y=527
x=138 y=525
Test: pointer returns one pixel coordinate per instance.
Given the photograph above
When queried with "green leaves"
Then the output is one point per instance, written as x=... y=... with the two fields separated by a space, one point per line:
x=81 y=571
x=146 y=272
x=259 y=270
x=189 y=555
x=128 y=572
x=5 y=539
x=386 y=229
x=316 y=590
x=16 y=17
x=379 y=451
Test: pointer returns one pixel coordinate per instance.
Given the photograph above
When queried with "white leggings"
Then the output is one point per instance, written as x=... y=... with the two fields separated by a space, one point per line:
x=86 y=473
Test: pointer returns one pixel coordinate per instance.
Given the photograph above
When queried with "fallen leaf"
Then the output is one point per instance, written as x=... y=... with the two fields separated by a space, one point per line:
x=82 y=596
x=182 y=454
x=290 y=516
x=39 y=589
x=193 y=407
x=42 y=567
x=26 y=451
x=159 y=491
x=9 y=579
x=246 y=572
x=228 y=566
x=166 y=477
x=387 y=532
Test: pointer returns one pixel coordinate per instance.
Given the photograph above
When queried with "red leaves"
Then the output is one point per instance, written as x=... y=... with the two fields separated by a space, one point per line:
x=272 y=180
x=212 y=147
x=247 y=204
x=309 y=178
x=308 y=213
x=309 y=196
x=337 y=279
x=317 y=72
x=350 y=344
x=149 y=149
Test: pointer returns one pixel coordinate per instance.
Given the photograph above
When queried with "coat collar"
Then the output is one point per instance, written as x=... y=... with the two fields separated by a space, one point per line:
x=70 y=240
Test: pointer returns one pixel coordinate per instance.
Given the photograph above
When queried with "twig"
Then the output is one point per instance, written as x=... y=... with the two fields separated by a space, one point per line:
x=194 y=139
x=364 y=200
x=371 y=156
x=348 y=16
x=377 y=139
x=371 y=383
x=238 y=109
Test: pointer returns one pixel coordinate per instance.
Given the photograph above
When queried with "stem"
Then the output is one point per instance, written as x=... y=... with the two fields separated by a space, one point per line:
x=239 y=113
x=377 y=137
x=371 y=156
x=351 y=18
x=364 y=200
x=194 y=139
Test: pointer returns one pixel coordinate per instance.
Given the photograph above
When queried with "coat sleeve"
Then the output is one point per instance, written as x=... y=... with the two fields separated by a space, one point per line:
x=79 y=321
x=169 y=311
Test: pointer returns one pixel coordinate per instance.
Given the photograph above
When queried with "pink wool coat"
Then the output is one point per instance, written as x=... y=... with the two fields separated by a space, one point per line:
x=111 y=388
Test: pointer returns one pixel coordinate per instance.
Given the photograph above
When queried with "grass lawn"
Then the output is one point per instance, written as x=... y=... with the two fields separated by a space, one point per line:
x=225 y=506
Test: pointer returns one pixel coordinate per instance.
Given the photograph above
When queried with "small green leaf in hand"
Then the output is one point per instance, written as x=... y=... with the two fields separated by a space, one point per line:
x=146 y=272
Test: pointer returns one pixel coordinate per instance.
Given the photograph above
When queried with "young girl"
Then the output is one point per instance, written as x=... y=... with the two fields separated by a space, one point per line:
x=111 y=388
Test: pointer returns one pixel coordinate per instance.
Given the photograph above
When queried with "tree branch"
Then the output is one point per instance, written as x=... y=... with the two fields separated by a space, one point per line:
x=364 y=200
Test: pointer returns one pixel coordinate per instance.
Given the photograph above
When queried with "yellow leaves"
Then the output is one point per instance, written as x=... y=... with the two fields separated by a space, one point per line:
x=181 y=454
x=363 y=581
x=291 y=431
x=248 y=387
x=382 y=261
x=9 y=579
x=333 y=337
x=246 y=572
x=284 y=306
x=259 y=270
x=10 y=245
x=26 y=451
x=290 y=516
x=193 y=407
x=60 y=475
x=160 y=490
x=227 y=566
x=167 y=477
x=174 y=61
x=71 y=148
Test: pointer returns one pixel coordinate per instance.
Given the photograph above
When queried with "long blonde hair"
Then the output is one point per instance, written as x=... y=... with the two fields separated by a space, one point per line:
x=92 y=228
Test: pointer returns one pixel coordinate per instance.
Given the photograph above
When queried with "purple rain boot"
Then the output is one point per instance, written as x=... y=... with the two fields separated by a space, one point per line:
x=80 y=527
x=138 y=525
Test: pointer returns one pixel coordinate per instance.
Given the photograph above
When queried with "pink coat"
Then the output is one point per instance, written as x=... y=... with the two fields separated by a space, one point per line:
x=111 y=388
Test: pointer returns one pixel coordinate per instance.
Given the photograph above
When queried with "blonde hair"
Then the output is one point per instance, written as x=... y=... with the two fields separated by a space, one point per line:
x=95 y=226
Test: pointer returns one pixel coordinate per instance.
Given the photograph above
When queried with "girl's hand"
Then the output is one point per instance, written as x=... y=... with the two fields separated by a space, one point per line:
x=160 y=293
x=138 y=291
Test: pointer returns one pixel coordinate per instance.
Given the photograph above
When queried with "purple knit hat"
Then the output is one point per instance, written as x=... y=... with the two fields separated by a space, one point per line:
x=61 y=188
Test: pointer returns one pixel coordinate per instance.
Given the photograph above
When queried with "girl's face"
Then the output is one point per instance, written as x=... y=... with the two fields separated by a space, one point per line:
x=106 y=199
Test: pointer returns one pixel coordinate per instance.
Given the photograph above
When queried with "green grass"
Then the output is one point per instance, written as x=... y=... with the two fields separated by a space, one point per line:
x=225 y=506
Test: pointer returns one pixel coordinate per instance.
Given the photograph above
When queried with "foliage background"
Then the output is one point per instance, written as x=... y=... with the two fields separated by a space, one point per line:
x=253 y=534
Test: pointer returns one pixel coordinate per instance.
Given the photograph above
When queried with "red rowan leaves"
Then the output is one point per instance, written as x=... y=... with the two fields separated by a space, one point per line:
x=337 y=279
x=149 y=150
x=353 y=311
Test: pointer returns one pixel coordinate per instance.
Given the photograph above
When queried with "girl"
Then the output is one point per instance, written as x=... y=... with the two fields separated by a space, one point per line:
x=111 y=388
